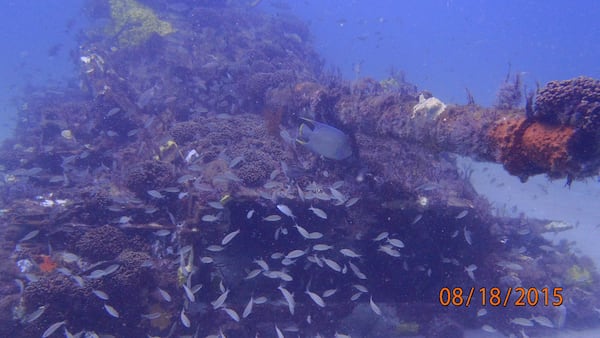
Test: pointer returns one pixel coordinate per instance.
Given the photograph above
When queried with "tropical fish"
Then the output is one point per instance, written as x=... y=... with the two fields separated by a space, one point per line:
x=324 y=140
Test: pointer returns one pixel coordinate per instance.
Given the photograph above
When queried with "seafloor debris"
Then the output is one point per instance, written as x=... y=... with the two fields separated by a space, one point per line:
x=166 y=196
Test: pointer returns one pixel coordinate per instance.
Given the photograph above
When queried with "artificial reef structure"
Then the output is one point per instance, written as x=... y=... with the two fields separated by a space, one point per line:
x=166 y=194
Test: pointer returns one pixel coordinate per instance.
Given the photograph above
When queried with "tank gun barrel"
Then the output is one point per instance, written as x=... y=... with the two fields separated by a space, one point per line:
x=559 y=137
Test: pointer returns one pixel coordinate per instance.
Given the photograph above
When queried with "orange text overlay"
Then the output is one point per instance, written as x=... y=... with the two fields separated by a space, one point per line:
x=504 y=297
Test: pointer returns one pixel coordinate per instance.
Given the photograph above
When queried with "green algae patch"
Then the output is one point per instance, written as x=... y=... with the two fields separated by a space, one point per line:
x=134 y=23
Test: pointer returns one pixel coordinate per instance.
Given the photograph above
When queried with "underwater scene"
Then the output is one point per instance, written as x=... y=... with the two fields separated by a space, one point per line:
x=248 y=168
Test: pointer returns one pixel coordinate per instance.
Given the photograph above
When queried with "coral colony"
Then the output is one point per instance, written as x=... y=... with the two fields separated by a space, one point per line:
x=172 y=193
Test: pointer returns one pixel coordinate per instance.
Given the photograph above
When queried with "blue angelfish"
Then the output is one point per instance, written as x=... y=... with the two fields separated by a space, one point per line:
x=324 y=140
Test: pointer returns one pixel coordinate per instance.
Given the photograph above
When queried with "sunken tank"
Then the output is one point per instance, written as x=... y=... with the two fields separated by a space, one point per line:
x=167 y=194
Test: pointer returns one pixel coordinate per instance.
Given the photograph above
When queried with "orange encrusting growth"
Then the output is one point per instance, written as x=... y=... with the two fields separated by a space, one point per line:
x=528 y=148
x=47 y=264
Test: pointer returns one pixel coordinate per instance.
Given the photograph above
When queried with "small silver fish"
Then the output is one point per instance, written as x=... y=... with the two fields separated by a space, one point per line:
x=231 y=314
x=172 y=190
x=111 y=269
x=470 y=271
x=285 y=210
x=35 y=314
x=262 y=264
x=206 y=260
x=316 y=298
x=236 y=161
x=543 y=321
x=214 y=248
x=216 y=205
x=69 y=257
x=253 y=273
x=189 y=294
x=278 y=332
x=417 y=219
x=357 y=271
x=155 y=194
x=295 y=254
x=184 y=319
x=100 y=294
x=337 y=195
x=320 y=213
x=356 y=296
x=352 y=201
x=322 y=247
x=210 y=218
x=467 y=235
x=302 y=231
x=462 y=214
x=217 y=303
x=360 y=288
x=381 y=236
x=315 y=235
x=333 y=265
x=151 y=316
x=248 y=308
x=162 y=233
x=396 y=242
x=289 y=298
x=329 y=292
x=113 y=112
x=164 y=294
x=349 y=253
x=488 y=328
x=272 y=218
x=389 y=250
x=29 y=235
x=521 y=321
x=111 y=311
x=96 y=274
x=52 y=328
x=229 y=237
x=374 y=306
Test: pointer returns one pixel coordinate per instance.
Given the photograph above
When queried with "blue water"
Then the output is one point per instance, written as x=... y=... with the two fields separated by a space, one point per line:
x=38 y=38
x=442 y=46
x=446 y=47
